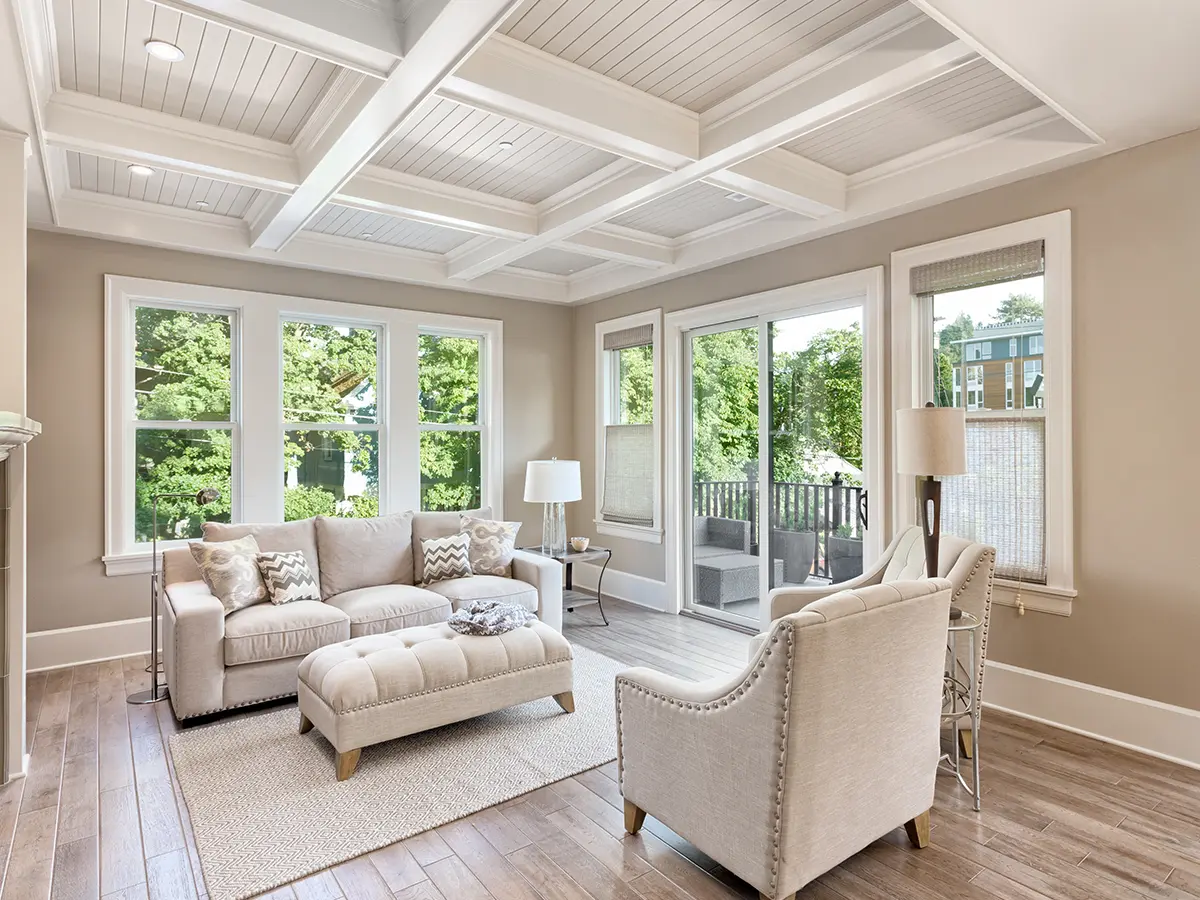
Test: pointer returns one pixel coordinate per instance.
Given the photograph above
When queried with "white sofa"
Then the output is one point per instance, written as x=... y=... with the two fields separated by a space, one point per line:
x=369 y=573
x=825 y=742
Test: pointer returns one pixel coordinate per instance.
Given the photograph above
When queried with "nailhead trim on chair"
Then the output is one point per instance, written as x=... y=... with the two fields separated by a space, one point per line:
x=209 y=712
x=739 y=691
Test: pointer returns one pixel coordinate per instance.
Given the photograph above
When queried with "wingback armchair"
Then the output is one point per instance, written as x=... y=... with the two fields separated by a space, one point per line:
x=825 y=742
x=970 y=568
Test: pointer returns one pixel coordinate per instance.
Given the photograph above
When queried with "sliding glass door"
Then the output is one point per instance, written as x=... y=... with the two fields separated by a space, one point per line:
x=775 y=470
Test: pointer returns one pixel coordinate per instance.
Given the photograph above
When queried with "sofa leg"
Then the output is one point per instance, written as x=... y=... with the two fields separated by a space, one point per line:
x=346 y=763
x=763 y=896
x=566 y=700
x=966 y=742
x=634 y=818
x=918 y=830
x=305 y=724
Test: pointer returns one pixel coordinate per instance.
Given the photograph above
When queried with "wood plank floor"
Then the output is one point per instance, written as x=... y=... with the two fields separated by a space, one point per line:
x=1065 y=817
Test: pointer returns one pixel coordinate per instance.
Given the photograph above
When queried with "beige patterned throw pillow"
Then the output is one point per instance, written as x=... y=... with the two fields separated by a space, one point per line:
x=492 y=545
x=230 y=569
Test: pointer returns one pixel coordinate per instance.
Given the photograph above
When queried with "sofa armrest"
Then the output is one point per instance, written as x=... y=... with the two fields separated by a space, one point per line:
x=547 y=576
x=193 y=648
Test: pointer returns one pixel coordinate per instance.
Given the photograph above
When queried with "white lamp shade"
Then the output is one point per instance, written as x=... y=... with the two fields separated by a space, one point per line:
x=931 y=441
x=552 y=481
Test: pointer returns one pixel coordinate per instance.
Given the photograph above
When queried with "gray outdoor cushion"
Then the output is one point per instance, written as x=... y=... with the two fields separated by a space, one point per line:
x=300 y=536
x=358 y=553
x=461 y=591
x=428 y=525
x=388 y=607
x=265 y=631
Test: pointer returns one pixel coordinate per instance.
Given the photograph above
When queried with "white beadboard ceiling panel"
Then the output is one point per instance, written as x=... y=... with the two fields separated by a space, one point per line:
x=556 y=262
x=227 y=78
x=686 y=210
x=106 y=176
x=383 y=229
x=458 y=145
x=969 y=98
x=694 y=53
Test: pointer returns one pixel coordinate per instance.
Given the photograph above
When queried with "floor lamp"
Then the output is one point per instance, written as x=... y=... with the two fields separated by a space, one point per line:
x=931 y=441
x=159 y=692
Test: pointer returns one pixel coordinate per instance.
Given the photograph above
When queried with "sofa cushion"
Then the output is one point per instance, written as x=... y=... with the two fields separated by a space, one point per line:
x=230 y=569
x=359 y=553
x=426 y=525
x=301 y=535
x=461 y=591
x=492 y=545
x=388 y=607
x=265 y=631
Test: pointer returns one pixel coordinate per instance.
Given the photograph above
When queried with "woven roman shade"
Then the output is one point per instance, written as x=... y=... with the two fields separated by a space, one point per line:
x=991 y=267
x=1001 y=502
x=628 y=475
x=638 y=336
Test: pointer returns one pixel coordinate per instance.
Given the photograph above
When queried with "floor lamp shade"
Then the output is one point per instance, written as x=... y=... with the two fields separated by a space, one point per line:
x=554 y=483
x=931 y=441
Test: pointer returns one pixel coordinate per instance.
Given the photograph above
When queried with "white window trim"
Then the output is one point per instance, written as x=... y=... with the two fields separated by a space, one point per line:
x=864 y=287
x=606 y=402
x=911 y=372
x=258 y=479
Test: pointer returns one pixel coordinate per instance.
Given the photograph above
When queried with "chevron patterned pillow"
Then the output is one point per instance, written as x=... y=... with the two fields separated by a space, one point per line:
x=446 y=558
x=287 y=576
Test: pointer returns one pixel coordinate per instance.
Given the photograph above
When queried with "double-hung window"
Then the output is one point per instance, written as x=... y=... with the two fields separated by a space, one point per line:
x=290 y=407
x=1016 y=495
x=628 y=462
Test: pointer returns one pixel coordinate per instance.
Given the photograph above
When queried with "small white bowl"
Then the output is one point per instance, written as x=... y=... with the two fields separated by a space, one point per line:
x=579 y=544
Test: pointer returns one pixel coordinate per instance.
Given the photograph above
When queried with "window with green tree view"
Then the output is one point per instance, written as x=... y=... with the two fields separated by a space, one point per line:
x=450 y=423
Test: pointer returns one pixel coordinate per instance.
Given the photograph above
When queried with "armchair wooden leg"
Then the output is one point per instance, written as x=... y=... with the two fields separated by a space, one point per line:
x=566 y=700
x=762 y=896
x=346 y=763
x=966 y=742
x=918 y=830
x=634 y=818
x=305 y=724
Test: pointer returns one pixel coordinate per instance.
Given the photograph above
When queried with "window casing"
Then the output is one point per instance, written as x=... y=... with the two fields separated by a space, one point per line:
x=912 y=383
x=353 y=439
x=628 y=391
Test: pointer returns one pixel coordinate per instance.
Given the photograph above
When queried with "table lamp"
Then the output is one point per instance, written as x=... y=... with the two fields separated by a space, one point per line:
x=931 y=441
x=553 y=482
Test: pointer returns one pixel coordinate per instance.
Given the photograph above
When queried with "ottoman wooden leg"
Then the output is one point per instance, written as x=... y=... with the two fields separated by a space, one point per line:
x=346 y=763
x=918 y=830
x=566 y=700
x=305 y=724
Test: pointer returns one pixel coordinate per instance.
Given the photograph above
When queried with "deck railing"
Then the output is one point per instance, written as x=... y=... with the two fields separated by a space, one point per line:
x=795 y=506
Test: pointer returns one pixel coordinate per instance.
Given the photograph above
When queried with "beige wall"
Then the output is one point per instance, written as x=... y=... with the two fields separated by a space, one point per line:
x=1136 y=231
x=67 y=584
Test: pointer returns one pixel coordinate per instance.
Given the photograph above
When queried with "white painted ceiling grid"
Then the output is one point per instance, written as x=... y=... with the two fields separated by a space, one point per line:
x=106 y=176
x=458 y=145
x=554 y=261
x=971 y=97
x=342 y=221
x=227 y=78
x=693 y=54
x=596 y=146
x=686 y=210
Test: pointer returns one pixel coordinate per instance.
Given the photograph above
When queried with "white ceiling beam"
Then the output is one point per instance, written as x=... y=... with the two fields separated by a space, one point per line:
x=450 y=36
x=364 y=37
x=903 y=59
x=787 y=181
x=625 y=245
x=131 y=134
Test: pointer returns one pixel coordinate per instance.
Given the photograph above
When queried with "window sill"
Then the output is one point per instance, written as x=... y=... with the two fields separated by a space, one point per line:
x=1033 y=597
x=128 y=563
x=630 y=532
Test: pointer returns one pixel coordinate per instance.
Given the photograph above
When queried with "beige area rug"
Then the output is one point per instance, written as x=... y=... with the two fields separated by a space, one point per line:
x=266 y=808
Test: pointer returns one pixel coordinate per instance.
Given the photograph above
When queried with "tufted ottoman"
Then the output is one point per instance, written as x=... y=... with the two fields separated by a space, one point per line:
x=383 y=686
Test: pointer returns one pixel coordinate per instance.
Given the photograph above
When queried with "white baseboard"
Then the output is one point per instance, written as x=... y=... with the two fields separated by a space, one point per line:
x=1147 y=726
x=86 y=644
x=624 y=586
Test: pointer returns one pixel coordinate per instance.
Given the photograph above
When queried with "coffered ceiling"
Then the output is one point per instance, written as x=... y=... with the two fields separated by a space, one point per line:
x=560 y=150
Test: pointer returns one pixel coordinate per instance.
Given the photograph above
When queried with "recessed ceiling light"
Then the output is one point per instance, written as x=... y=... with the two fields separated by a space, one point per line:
x=201 y=204
x=367 y=234
x=164 y=51
x=141 y=171
x=736 y=197
x=505 y=145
